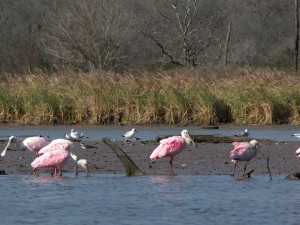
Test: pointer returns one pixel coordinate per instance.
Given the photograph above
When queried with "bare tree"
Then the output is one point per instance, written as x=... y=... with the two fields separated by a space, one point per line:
x=86 y=34
x=19 y=28
x=187 y=32
x=297 y=36
x=260 y=30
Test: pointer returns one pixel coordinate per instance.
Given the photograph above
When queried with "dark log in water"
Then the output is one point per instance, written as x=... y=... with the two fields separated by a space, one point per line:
x=293 y=176
x=210 y=127
x=214 y=138
x=247 y=174
x=130 y=167
x=210 y=138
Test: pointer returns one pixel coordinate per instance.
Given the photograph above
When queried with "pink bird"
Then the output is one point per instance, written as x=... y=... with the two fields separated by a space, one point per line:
x=56 y=144
x=33 y=144
x=56 y=159
x=243 y=151
x=172 y=146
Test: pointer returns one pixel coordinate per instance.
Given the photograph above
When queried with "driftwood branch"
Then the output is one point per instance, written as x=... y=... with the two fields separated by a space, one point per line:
x=268 y=160
x=293 y=176
x=130 y=167
x=248 y=174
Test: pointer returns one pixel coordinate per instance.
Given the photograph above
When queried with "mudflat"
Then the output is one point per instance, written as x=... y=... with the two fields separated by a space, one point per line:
x=206 y=159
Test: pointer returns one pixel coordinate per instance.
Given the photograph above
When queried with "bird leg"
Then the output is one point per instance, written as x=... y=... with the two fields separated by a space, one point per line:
x=53 y=173
x=233 y=170
x=246 y=163
x=172 y=169
x=34 y=170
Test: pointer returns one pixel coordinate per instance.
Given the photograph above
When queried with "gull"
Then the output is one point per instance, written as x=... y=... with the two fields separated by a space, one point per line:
x=75 y=136
x=245 y=133
x=130 y=134
x=296 y=135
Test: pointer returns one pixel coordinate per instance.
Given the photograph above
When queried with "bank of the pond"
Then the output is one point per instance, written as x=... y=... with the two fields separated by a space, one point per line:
x=208 y=158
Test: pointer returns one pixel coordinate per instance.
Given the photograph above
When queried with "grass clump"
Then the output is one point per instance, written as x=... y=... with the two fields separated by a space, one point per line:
x=198 y=97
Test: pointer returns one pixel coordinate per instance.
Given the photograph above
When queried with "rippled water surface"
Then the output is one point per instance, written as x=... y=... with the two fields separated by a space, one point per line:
x=117 y=199
x=276 y=132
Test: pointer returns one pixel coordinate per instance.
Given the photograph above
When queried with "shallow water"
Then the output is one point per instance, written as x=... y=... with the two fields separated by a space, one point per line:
x=116 y=199
x=277 y=132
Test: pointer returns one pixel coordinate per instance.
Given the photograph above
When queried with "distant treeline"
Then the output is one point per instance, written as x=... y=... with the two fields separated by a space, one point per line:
x=126 y=35
x=198 y=97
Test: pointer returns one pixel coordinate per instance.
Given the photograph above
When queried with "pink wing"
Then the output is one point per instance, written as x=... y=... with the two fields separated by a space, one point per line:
x=168 y=147
x=59 y=144
x=243 y=151
x=35 y=143
x=239 y=144
x=62 y=141
x=238 y=147
x=55 y=158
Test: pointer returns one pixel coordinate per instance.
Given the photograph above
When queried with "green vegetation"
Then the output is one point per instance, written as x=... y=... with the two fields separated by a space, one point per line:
x=198 y=97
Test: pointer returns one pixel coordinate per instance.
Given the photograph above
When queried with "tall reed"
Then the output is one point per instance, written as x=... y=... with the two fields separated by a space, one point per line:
x=203 y=96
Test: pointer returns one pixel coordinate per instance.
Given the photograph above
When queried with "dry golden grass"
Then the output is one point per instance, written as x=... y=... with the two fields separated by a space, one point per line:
x=203 y=96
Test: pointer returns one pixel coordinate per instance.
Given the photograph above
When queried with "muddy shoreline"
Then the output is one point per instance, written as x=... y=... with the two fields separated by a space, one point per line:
x=207 y=159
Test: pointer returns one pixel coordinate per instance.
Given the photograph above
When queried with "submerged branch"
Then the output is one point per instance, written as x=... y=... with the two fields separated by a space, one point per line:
x=268 y=159
x=130 y=167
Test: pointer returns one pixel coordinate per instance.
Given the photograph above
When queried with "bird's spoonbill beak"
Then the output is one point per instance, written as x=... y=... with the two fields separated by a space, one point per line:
x=194 y=144
x=8 y=144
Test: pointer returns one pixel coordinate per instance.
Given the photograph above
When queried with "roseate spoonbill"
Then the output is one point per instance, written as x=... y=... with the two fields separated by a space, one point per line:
x=33 y=144
x=170 y=147
x=130 y=135
x=86 y=146
x=56 y=144
x=56 y=159
x=243 y=151
x=245 y=133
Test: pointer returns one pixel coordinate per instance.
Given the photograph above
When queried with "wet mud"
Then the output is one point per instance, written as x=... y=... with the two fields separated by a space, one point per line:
x=206 y=159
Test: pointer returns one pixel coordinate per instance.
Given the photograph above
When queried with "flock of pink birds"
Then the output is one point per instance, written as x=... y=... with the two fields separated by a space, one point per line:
x=50 y=154
x=57 y=153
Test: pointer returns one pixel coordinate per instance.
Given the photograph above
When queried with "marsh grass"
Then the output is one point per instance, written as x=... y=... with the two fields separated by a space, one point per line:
x=204 y=96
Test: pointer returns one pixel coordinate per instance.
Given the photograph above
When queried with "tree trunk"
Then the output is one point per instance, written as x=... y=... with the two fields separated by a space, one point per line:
x=297 y=37
x=226 y=43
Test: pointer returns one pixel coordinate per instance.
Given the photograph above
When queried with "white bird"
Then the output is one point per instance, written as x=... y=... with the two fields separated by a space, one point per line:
x=296 y=135
x=81 y=162
x=130 y=135
x=245 y=133
x=75 y=136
